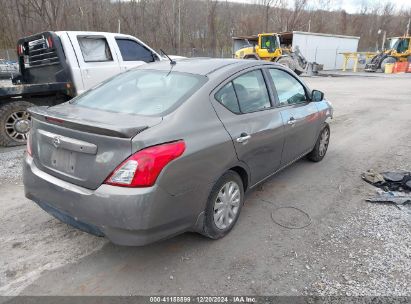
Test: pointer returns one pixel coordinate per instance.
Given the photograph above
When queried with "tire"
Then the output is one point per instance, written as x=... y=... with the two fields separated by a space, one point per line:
x=287 y=62
x=14 y=121
x=389 y=59
x=213 y=228
x=319 y=151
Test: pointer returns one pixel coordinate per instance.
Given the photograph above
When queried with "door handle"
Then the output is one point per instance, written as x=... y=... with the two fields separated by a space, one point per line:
x=244 y=137
x=291 y=121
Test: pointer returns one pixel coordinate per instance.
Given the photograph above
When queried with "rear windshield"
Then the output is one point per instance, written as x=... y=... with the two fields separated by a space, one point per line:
x=143 y=92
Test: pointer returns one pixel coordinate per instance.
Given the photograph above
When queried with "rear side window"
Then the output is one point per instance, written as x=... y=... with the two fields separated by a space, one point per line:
x=132 y=51
x=94 y=49
x=289 y=89
x=143 y=92
x=251 y=92
x=226 y=96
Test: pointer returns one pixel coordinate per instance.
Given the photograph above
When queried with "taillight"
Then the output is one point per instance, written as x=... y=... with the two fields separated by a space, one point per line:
x=29 y=151
x=142 y=168
x=49 y=42
x=20 y=49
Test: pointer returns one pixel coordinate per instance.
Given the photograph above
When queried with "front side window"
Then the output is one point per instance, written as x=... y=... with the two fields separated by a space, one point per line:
x=143 y=92
x=94 y=49
x=251 y=92
x=268 y=42
x=132 y=51
x=402 y=45
x=289 y=90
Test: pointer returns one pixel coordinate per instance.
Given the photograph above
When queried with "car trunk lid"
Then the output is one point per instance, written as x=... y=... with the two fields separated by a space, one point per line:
x=83 y=146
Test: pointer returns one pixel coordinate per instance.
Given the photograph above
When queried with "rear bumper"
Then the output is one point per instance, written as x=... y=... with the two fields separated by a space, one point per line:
x=126 y=216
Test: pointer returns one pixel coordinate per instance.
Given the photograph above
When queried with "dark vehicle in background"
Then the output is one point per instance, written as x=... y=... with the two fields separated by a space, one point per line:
x=168 y=148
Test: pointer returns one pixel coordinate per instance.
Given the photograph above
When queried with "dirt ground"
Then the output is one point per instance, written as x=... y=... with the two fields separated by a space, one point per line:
x=350 y=247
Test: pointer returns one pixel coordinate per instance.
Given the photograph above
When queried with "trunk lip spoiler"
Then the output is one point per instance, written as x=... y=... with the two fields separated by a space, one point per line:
x=39 y=113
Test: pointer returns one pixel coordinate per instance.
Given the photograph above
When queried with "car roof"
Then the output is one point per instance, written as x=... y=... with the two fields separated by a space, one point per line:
x=204 y=66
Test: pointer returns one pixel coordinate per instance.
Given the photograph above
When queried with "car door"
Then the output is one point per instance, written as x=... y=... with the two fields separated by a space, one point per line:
x=244 y=105
x=96 y=59
x=300 y=116
x=133 y=53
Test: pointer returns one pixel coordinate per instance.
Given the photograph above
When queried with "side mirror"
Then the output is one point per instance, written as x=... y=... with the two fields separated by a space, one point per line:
x=317 y=95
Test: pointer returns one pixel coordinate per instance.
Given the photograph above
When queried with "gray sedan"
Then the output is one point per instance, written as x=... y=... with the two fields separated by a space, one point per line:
x=168 y=148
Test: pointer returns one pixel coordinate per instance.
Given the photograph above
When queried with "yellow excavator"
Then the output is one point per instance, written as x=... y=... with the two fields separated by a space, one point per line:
x=271 y=47
x=397 y=49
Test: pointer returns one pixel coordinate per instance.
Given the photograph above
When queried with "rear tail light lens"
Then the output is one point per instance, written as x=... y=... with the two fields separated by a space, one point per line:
x=29 y=151
x=19 y=49
x=142 y=168
x=49 y=42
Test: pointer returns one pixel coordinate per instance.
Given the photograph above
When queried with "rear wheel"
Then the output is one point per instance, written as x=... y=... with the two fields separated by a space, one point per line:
x=321 y=146
x=224 y=205
x=15 y=123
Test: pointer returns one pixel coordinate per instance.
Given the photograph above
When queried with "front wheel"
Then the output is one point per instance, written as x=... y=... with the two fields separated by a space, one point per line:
x=287 y=62
x=387 y=60
x=14 y=123
x=223 y=205
x=321 y=146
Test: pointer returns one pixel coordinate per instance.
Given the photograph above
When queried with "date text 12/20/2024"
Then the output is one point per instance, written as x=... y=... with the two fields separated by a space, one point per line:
x=203 y=299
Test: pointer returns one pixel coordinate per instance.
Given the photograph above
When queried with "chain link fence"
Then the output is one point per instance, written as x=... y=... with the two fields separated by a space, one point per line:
x=8 y=54
x=201 y=52
x=8 y=65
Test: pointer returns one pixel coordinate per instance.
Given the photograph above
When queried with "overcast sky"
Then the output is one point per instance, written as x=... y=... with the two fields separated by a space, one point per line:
x=351 y=6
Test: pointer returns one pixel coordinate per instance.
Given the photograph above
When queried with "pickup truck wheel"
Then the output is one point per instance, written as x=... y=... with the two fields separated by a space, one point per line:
x=15 y=123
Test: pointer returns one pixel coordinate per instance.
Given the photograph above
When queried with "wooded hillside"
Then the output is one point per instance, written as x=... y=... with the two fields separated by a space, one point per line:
x=207 y=25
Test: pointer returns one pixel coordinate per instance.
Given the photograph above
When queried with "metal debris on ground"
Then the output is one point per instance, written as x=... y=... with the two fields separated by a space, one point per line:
x=389 y=181
x=396 y=197
x=395 y=187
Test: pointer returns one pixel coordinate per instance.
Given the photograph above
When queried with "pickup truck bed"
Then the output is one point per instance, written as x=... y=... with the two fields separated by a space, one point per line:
x=57 y=66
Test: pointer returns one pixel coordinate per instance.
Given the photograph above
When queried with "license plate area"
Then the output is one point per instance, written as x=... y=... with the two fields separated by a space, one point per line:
x=63 y=160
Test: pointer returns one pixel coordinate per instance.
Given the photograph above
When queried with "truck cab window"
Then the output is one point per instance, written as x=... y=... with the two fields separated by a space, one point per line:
x=94 y=49
x=133 y=51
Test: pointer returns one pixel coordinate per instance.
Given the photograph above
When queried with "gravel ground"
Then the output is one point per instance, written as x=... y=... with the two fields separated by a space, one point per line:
x=351 y=247
x=372 y=246
x=11 y=169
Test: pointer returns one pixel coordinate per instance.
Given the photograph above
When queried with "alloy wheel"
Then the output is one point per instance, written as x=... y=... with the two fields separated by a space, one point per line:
x=18 y=125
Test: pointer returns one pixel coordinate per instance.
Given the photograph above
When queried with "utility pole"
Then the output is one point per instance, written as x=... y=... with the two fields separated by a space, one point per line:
x=179 y=27
x=408 y=27
x=119 y=26
x=309 y=25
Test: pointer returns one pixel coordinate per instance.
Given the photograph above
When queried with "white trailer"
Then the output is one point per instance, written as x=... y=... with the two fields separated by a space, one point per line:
x=324 y=49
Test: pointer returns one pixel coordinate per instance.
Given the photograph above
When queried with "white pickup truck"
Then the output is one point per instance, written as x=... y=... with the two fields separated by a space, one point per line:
x=56 y=66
